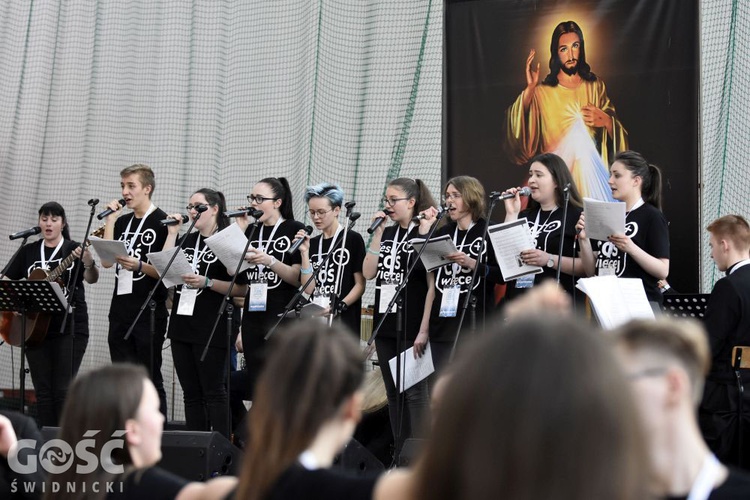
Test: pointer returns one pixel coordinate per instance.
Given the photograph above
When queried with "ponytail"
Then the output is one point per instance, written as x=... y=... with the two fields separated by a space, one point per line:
x=216 y=198
x=651 y=191
x=650 y=175
x=415 y=188
x=281 y=191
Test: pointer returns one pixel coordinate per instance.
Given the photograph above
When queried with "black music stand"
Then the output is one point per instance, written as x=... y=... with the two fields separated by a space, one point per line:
x=25 y=297
x=685 y=305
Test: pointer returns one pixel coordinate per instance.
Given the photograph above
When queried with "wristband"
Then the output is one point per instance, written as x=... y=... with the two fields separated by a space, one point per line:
x=140 y=265
x=273 y=261
x=309 y=270
x=374 y=252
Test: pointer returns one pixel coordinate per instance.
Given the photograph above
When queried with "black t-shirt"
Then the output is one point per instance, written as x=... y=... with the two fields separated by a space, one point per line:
x=279 y=291
x=298 y=483
x=548 y=240
x=151 y=238
x=648 y=229
x=197 y=327
x=469 y=242
x=153 y=483
x=393 y=270
x=351 y=256
x=30 y=258
x=736 y=487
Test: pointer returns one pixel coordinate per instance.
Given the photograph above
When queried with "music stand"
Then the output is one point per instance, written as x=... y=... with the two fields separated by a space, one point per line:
x=685 y=305
x=26 y=297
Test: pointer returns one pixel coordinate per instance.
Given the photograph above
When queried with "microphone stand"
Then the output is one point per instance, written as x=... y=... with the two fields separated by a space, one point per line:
x=566 y=197
x=152 y=304
x=470 y=298
x=73 y=288
x=228 y=307
x=398 y=300
x=18 y=250
x=294 y=303
x=335 y=302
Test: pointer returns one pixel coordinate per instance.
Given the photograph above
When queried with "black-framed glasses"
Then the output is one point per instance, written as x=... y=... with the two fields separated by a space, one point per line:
x=256 y=198
x=319 y=213
x=195 y=207
x=392 y=201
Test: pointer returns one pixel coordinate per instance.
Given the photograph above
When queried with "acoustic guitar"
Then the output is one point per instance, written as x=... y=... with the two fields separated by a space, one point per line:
x=37 y=324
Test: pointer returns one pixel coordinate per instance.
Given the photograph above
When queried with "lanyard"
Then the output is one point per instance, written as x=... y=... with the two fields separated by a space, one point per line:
x=537 y=228
x=261 y=245
x=704 y=483
x=457 y=267
x=320 y=246
x=394 y=248
x=637 y=205
x=131 y=242
x=51 y=257
x=196 y=254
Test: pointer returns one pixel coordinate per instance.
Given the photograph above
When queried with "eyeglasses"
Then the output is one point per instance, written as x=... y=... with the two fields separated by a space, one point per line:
x=195 y=207
x=392 y=201
x=256 y=198
x=646 y=372
x=319 y=213
x=452 y=196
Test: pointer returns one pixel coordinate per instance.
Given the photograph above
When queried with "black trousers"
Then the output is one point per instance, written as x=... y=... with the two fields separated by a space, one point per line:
x=137 y=349
x=719 y=423
x=203 y=385
x=53 y=364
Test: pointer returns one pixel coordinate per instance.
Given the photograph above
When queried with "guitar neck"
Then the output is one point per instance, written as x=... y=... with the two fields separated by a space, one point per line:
x=55 y=274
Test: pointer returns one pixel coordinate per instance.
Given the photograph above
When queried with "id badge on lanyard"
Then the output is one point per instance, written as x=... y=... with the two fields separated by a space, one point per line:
x=124 y=282
x=449 y=304
x=188 y=295
x=387 y=291
x=525 y=281
x=258 y=296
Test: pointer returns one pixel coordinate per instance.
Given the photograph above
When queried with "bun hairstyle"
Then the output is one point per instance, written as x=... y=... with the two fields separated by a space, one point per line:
x=332 y=192
x=281 y=191
x=216 y=199
x=650 y=175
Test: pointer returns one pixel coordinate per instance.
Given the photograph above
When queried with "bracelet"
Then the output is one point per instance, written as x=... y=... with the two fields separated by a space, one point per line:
x=205 y=285
x=273 y=261
x=309 y=270
x=140 y=265
x=374 y=252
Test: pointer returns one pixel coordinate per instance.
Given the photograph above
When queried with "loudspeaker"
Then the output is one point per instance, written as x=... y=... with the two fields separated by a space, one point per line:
x=198 y=456
x=358 y=459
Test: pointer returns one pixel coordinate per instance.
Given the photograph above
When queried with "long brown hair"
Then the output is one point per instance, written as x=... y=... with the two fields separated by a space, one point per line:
x=539 y=411
x=101 y=400
x=311 y=370
x=561 y=176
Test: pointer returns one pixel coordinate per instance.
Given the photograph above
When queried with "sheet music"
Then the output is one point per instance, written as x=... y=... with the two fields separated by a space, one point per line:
x=603 y=218
x=228 y=245
x=180 y=266
x=107 y=250
x=412 y=370
x=435 y=250
x=508 y=240
x=616 y=301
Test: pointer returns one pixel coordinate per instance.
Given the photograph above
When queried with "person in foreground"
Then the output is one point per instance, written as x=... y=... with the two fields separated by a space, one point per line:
x=306 y=406
x=569 y=431
x=121 y=402
x=665 y=362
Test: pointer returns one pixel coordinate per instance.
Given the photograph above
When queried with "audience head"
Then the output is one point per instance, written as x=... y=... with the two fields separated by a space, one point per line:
x=406 y=198
x=116 y=400
x=310 y=382
x=550 y=175
x=464 y=195
x=535 y=410
x=632 y=175
x=729 y=240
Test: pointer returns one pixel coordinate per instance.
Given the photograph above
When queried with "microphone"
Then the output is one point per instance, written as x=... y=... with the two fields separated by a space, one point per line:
x=110 y=211
x=354 y=216
x=200 y=208
x=256 y=214
x=349 y=204
x=172 y=222
x=378 y=221
x=93 y=202
x=419 y=217
x=26 y=233
x=524 y=191
x=295 y=246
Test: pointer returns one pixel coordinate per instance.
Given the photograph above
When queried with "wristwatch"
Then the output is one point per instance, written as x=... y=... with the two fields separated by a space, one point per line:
x=209 y=283
x=551 y=262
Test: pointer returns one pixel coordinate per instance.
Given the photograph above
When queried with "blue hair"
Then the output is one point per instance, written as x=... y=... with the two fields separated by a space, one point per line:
x=325 y=190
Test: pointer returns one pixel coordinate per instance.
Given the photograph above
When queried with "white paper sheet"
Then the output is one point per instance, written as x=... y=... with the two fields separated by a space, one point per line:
x=228 y=245
x=180 y=266
x=508 y=240
x=412 y=370
x=107 y=250
x=603 y=218
x=435 y=251
x=616 y=301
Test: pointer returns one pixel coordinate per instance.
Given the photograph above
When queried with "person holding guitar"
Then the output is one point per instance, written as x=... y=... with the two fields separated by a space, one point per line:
x=54 y=355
